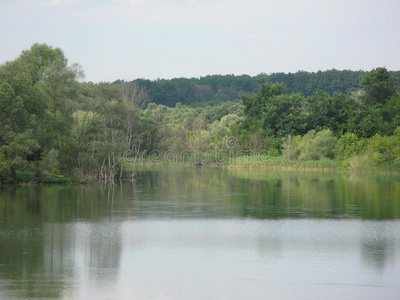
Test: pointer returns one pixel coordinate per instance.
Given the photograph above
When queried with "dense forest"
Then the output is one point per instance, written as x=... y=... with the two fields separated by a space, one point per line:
x=54 y=124
x=214 y=89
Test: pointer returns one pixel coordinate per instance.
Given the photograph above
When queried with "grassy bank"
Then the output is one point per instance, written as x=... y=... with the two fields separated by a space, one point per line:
x=280 y=163
x=357 y=164
x=362 y=163
x=255 y=161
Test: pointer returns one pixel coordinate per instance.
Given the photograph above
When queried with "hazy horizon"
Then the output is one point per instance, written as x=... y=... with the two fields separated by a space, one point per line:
x=165 y=39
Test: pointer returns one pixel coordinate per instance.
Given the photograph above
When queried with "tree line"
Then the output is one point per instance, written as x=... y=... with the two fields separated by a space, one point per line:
x=51 y=122
x=327 y=126
x=215 y=89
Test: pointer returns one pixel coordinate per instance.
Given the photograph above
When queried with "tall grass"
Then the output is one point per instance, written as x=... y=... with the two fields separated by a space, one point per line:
x=280 y=162
x=361 y=163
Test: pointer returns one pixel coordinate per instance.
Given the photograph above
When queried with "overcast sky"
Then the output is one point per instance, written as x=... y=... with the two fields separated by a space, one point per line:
x=128 y=39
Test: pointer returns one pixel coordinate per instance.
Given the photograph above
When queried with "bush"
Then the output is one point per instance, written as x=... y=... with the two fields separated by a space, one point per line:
x=349 y=145
x=318 y=145
x=271 y=146
x=255 y=143
x=290 y=147
x=385 y=149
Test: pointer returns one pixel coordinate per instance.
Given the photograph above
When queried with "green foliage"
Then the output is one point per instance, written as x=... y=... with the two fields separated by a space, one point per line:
x=290 y=147
x=4 y=168
x=255 y=143
x=216 y=89
x=50 y=161
x=382 y=118
x=385 y=149
x=271 y=146
x=326 y=111
x=379 y=86
x=13 y=116
x=274 y=112
x=284 y=114
x=318 y=145
x=51 y=122
x=16 y=147
x=308 y=83
x=282 y=163
x=312 y=146
x=277 y=114
x=221 y=130
x=37 y=92
x=37 y=59
x=350 y=145
x=255 y=105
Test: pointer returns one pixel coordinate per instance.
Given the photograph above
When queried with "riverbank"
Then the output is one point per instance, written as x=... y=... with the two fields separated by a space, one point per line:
x=354 y=164
x=28 y=178
x=358 y=164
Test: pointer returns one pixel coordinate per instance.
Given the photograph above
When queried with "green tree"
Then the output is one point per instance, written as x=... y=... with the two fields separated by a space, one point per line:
x=350 y=145
x=37 y=59
x=13 y=116
x=379 y=86
x=17 y=147
x=326 y=111
x=386 y=149
x=254 y=106
x=4 y=168
x=274 y=112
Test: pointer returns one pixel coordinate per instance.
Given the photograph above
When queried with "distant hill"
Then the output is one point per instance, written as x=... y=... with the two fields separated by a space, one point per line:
x=214 y=89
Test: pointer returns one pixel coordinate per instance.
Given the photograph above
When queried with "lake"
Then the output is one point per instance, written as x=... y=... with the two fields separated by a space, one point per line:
x=204 y=233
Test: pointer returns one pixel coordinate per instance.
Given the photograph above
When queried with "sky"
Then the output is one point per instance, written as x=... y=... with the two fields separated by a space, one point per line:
x=129 y=39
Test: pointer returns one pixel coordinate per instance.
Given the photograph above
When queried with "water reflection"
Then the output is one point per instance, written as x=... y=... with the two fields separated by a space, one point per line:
x=200 y=224
x=378 y=244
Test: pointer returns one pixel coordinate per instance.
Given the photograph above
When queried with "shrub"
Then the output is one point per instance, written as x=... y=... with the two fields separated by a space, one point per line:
x=349 y=145
x=290 y=147
x=318 y=145
x=386 y=149
x=271 y=146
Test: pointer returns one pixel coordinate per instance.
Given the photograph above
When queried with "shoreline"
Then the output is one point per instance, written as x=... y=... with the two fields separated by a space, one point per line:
x=272 y=168
x=333 y=170
x=61 y=180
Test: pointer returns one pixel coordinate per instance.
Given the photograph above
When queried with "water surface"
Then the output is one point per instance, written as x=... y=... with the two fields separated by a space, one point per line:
x=204 y=233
